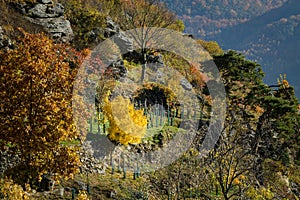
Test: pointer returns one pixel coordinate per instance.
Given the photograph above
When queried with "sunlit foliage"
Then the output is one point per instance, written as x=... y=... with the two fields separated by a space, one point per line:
x=11 y=191
x=36 y=113
x=127 y=125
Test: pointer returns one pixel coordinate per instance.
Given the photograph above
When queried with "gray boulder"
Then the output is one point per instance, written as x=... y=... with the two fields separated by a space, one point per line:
x=124 y=42
x=111 y=28
x=94 y=34
x=116 y=70
x=45 y=1
x=186 y=85
x=59 y=28
x=50 y=16
x=1 y=33
x=155 y=62
x=46 y=11
x=5 y=42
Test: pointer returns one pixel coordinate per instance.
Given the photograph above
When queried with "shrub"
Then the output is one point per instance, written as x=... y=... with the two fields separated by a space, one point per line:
x=127 y=125
x=11 y=191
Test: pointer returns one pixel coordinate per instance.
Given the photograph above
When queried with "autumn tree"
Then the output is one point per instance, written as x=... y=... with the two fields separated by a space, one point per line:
x=231 y=162
x=141 y=16
x=36 y=113
x=211 y=46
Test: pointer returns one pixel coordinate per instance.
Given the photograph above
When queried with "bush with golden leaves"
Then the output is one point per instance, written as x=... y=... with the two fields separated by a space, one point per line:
x=126 y=124
x=11 y=191
x=82 y=196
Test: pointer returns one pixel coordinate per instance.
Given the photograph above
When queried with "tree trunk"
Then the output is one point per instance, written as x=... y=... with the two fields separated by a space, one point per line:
x=144 y=65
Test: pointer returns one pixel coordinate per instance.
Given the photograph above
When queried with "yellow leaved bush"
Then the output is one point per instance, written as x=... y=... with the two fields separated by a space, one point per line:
x=11 y=191
x=127 y=125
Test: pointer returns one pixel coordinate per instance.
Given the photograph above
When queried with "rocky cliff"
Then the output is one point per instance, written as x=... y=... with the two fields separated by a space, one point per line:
x=50 y=16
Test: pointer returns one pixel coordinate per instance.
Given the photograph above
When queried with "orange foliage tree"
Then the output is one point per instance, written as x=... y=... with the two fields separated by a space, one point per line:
x=36 y=114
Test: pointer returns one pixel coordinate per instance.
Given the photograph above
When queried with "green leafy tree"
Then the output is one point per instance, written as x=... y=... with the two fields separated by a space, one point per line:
x=269 y=116
x=86 y=19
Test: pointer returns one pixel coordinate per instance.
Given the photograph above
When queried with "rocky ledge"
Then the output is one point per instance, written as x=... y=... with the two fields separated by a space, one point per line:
x=50 y=16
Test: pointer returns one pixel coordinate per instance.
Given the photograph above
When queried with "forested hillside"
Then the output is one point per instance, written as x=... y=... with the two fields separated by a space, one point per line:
x=265 y=31
x=205 y=18
x=90 y=110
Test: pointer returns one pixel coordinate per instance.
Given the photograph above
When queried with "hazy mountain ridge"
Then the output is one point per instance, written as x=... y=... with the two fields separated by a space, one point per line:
x=205 y=18
x=267 y=32
x=271 y=39
x=260 y=23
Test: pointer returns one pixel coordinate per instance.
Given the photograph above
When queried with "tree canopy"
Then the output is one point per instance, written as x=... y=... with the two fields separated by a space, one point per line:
x=36 y=113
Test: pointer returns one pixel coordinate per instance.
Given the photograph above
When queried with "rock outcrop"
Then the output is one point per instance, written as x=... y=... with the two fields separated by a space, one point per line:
x=89 y=162
x=5 y=42
x=116 y=70
x=186 y=85
x=124 y=42
x=50 y=16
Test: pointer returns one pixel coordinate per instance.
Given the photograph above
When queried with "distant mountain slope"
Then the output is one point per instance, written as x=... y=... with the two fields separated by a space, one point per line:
x=250 y=29
x=272 y=39
x=267 y=31
x=206 y=18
